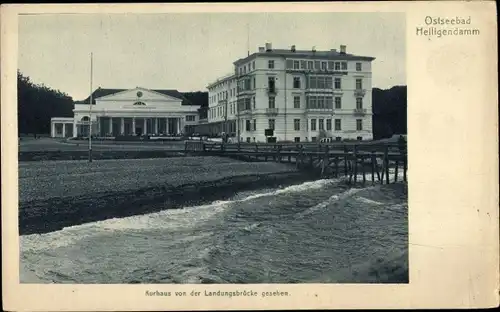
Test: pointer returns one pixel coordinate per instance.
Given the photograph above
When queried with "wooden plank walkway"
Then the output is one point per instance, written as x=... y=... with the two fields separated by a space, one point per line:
x=353 y=160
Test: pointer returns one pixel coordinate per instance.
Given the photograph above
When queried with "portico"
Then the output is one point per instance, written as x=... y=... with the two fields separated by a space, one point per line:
x=134 y=112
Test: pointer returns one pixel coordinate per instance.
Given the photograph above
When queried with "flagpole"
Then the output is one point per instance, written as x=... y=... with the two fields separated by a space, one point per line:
x=90 y=112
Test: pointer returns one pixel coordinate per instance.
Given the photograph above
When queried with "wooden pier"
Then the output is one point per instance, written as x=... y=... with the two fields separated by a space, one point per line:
x=352 y=160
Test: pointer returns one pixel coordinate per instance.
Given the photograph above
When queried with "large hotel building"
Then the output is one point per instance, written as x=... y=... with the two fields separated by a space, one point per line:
x=297 y=93
x=302 y=95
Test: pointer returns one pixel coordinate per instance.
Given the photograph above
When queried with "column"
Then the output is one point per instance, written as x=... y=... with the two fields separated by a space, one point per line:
x=167 y=125
x=145 y=126
x=133 y=125
x=178 y=125
x=64 y=129
x=122 y=124
x=156 y=125
x=74 y=129
x=52 y=129
x=111 y=125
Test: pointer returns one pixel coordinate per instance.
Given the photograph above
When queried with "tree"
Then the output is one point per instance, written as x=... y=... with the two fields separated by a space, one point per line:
x=389 y=112
x=37 y=104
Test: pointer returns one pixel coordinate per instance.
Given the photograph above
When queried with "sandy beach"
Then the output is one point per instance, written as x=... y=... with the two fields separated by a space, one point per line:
x=57 y=194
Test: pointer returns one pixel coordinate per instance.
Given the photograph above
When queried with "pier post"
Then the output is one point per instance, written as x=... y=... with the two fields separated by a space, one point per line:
x=405 y=166
x=386 y=158
x=355 y=163
x=374 y=163
x=396 y=171
x=336 y=166
x=345 y=160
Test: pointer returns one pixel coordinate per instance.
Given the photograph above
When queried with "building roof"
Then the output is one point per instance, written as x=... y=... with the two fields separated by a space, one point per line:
x=306 y=54
x=100 y=92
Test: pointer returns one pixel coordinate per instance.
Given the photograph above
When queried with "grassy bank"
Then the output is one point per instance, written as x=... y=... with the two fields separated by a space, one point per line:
x=54 y=195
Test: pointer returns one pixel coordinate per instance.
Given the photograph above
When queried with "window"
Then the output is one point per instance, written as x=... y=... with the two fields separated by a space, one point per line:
x=359 y=138
x=337 y=65
x=296 y=139
x=338 y=102
x=272 y=123
x=319 y=102
x=358 y=66
x=85 y=118
x=359 y=124
x=253 y=65
x=338 y=138
x=330 y=65
x=310 y=65
x=140 y=103
x=254 y=126
x=272 y=102
x=359 y=103
x=190 y=118
x=248 y=139
x=254 y=85
x=303 y=64
x=296 y=124
x=313 y=124
x=271 y=84
x=247 y=125
x=337 y=125
x=320 y=82
x=359 y=84
x=323 y=65
x=313 y=139
x=321 y=124
x=296 y=82
x=296 y=65
x=253 y=102
x=296 y=102
x=328 y=124
x=338 y=84
x=317 y=65
x=289 y=64
x=270 y=64
x=344 y=65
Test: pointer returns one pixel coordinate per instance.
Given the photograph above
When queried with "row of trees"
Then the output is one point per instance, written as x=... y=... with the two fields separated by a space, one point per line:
x=38 y=103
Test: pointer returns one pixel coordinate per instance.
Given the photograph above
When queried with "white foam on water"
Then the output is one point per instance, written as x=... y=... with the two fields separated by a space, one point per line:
x=173 y=219
x=329 y=201
x=368 y=201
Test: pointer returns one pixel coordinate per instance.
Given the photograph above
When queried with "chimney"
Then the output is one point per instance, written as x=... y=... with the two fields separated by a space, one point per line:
x=269 y=46
x=342 y=49
x=262 y=49
x=293 y=48
x=314 y=49
x=334 y=50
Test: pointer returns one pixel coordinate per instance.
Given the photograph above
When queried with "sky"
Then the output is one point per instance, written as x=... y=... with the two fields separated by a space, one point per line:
x=187 y=51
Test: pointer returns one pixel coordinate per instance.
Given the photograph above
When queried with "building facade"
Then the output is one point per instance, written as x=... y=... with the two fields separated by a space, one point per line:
x=301 y=95
x=134 y=112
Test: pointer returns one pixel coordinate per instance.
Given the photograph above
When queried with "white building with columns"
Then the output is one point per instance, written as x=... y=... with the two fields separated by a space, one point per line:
x=121 y=112
x=297 y=93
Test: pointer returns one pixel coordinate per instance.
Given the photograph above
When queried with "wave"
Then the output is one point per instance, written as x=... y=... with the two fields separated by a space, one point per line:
x=173 y=219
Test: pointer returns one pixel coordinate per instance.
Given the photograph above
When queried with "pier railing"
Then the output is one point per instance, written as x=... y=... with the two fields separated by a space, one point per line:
x=352 y=159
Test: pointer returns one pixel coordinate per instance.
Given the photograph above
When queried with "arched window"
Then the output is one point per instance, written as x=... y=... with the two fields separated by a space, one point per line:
x=139 y=103
x=85 y=118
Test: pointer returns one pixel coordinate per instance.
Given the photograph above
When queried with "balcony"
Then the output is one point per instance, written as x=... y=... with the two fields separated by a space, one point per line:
x=359 y=111
x=359 y=92
x=271 y=111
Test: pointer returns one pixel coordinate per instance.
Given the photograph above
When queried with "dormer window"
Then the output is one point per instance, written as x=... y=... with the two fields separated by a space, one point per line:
x=140 y=103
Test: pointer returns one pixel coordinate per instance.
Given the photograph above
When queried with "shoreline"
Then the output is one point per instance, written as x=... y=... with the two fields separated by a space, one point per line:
x=56 y=213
